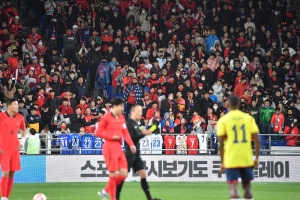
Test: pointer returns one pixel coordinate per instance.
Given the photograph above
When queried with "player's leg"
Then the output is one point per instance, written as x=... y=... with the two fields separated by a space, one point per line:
x=234 y=191
x=4 y=184
x=5 y=166
x=130 y=162
x=111 y=161
x=247 y=190
x=10 y=183
x=123 y=169
x=232 y=181
x=15 y=166
x=144 y=183
x=140 y=169
x=247 y=176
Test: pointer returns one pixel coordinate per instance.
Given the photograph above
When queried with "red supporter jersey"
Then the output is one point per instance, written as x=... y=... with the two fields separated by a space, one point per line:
x=9 y=128
x=169 y=143
x=110 y=125
x=192 y=143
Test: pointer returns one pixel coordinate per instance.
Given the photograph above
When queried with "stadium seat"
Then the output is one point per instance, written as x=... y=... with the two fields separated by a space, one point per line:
x=281 y=143
x=273 y=143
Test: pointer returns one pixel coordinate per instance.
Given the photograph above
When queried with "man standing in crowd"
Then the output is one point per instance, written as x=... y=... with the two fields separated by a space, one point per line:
x=265 y=116
x=70 y=42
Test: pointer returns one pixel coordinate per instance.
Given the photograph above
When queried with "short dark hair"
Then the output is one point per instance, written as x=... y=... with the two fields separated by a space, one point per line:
x=10 y=101
x=234 y=101
x=116 y=101
x=32 y=131
x=134 y=106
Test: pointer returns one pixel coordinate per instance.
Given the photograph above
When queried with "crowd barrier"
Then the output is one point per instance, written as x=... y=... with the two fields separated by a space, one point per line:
x=180 y=168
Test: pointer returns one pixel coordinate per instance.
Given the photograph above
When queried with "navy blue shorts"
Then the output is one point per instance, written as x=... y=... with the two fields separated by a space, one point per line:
x=233 y=175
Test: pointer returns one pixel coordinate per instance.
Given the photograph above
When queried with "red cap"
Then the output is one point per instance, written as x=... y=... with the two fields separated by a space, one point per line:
x=199 y=84
x=279 y=31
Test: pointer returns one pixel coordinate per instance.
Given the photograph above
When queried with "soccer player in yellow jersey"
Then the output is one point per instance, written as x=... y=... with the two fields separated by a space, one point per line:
x=235 y=131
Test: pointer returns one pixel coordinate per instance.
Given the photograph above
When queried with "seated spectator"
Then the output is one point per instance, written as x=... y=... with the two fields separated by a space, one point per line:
x=57 y=119
x=63 y=129
x=293 y=129
x=33 y=119
x=89 y=121
x=9 y=89
x=45 y=133
x=181 y=128
x=152 y=111
x=77 y=119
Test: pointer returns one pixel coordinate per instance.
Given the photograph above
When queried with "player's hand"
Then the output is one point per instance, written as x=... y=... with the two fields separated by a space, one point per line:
x=1 y=151
x=116 y=137
x=222 y=168
x=256 y=163
x=133 y=149
x=146 y=132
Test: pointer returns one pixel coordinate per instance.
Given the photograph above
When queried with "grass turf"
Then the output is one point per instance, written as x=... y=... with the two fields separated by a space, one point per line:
x=164 y=190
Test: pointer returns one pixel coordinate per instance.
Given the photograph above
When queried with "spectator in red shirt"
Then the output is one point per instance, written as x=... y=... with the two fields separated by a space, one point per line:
x=152 y=110
x=6 y=70
x=9 y=8
x=293 y=129
x=41 y=98
x=241 y=87
x=132 y=39
x=83 y=105
x=277 y=123
x=66 y=109
x=166 y=8
x=11 y=41
x=34 y=36
x=14 y=28
x=34 y=66
x=13 y=60
x=106 y=39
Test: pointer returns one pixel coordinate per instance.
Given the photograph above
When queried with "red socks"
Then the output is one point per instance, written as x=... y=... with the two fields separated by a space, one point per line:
x=112 y=187
x=119 y=179
x=4 y=186
x=9 y=186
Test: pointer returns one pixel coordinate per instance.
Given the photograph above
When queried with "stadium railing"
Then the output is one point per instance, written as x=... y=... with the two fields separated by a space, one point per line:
x=269 y=145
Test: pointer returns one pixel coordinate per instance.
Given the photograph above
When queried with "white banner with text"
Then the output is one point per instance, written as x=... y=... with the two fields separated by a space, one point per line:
x=180 y=168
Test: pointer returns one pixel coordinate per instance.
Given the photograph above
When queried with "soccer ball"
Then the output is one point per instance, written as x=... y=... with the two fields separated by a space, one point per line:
x=39 y=196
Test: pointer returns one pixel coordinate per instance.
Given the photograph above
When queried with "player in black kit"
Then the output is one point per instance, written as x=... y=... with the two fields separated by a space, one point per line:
x=134 y=160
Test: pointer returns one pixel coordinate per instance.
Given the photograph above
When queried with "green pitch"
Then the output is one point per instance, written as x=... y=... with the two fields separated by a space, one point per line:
x=164 y=190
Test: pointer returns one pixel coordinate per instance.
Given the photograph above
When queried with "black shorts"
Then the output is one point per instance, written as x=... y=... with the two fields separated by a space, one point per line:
x=135 y=162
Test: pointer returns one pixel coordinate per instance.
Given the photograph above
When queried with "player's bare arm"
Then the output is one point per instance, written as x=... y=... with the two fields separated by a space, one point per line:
x=257 y=148
x=221 y=140
x=23 y=135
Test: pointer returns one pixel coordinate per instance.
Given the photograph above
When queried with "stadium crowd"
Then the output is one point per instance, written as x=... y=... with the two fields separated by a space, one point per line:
x=180 y=60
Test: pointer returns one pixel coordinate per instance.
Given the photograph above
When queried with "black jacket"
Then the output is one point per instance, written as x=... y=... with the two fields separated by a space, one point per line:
x=76 y=122
x=56 y=86
x=94 y=58
x=165 y=106
x=135 y=134
x=53 y=104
